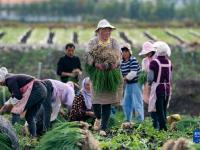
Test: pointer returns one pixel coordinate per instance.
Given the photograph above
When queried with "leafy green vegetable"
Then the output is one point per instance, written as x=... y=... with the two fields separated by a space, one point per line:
x=108 y=80
x=5 y=143
x=142 y=77
x=66 y=136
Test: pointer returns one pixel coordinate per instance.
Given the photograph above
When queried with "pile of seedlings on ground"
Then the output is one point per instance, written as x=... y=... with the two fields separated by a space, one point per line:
x=69 y=136
x=8 y=137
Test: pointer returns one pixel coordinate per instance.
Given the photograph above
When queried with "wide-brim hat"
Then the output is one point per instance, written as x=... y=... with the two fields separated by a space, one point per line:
x=104 y=24
x=128 y=46
x=147 y=47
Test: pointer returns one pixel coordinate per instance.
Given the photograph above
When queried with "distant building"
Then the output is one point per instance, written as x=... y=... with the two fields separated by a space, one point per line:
x=12 y=2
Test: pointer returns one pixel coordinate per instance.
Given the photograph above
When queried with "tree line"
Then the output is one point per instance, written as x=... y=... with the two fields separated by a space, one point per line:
x=142 y=10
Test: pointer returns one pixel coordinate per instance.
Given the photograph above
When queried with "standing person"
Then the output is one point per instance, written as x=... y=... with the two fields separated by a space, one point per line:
x=160 y=79
x=148 y=52
x=69 y=66
x=132 y=100
x=82 y=104
x=27 y=96
x=102 y=65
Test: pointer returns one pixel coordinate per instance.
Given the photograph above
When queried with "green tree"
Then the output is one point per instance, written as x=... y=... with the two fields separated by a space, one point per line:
x=110 y=9
x=189 y=11
x=146 y=12
x=164 y=10
x=134 y=9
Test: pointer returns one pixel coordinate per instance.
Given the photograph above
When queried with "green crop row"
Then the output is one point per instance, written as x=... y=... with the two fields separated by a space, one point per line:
x=63 y=36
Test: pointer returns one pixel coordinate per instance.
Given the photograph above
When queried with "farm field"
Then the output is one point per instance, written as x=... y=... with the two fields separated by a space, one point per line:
x=63 y=36
x=38 y=36
x=140 y=136
x=12 y=35
x=51 y=40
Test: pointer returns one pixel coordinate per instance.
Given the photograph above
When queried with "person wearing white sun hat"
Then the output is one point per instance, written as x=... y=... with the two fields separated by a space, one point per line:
x=160 y=80
x=162 y=49
x=104 y=24
x=103 y=56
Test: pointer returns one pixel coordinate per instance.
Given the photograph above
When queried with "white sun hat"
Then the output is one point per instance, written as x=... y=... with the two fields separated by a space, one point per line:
x=147 y=47
x=128 y=46
x=104 y=24
x=162 y=49
x=3 y=73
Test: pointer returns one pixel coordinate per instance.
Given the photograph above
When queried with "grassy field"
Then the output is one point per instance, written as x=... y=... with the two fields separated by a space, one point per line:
x=13 y=35
x=39 y=36
x=161 y=35
x=185 y=34
x=63 y=36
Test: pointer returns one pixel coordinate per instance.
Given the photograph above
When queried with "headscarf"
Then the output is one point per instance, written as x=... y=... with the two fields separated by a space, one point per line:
x=87 y=95
x=70 y=83
x=162 y=48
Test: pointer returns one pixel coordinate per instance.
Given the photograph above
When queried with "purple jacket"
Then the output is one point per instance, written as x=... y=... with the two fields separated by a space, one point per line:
x=164 y=75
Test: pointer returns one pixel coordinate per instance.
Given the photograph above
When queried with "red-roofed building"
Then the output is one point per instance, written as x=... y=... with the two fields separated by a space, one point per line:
x=12 y=2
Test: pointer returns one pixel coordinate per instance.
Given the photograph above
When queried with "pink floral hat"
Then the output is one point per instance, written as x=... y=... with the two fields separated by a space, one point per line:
x=146 y=48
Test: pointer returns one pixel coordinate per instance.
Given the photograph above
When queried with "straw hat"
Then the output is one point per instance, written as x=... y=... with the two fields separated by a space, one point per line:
x=3 y=73
x=162 y=48
x=128 y=46
x=104 y=24
x=147 y=47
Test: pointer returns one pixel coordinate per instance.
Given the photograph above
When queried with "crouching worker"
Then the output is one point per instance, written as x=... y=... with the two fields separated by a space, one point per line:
x=27 y=96
x=62 y=94
x=59 y=93
x=82 y=104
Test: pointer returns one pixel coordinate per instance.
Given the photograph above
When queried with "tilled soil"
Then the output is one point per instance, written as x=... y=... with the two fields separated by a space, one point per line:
x=186 y=99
